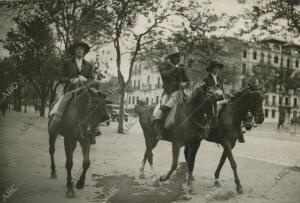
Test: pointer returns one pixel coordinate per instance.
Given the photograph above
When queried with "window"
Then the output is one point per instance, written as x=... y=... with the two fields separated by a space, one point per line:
x=147 y=100
x=276 y=59
x=269 y=59
x=280 y=100
x=157 y=99
x=288 y=63
x=262 y=57
x=151 y=100
x=133 y=100
x=286 y=101
x=244 y=54
x=158 y=82
x=140 y=68
x=297 y=63
x=266 y=113
x=134 y=83
x=129 y=100
x=267 y=100
x=253 y=68
x=295 y=102
x=274 y=100
x=273 y=113
x=148 y=79
x=137 y=99
x=139 y=84
x=254 y=55
x=243 y=68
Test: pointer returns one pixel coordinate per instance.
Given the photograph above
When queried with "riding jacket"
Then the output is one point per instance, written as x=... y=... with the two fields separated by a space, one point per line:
x=172 y=76
x=70 y=70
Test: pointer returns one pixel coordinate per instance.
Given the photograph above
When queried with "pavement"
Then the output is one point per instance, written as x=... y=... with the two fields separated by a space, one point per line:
x=268 y=166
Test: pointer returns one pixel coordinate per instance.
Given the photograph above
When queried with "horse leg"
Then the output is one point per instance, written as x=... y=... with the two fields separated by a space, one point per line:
x=142 y=169
x=150 y=145
x=175 y=151
x=192 y=152
x=228 y=149
x=70 y=146
x=85 y=147
x=52 y=139
x=217 y=172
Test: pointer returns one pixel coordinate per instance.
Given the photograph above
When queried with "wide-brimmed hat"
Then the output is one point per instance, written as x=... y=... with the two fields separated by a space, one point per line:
x=213 y=64
x=172 y=50
x=84 y=45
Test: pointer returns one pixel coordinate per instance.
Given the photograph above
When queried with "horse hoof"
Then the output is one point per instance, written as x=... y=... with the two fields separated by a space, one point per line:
x=192 y=178
x=142 y=176
x=155 y=183
x=217 y=183
x=70 y=194
x=53 y=176
x=80 y=185
x=240 y=190
x=163 y=178
x=190 y=189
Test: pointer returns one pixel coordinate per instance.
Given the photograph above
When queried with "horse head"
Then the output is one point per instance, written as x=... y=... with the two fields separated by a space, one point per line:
x=96 y=106
x=255 y=99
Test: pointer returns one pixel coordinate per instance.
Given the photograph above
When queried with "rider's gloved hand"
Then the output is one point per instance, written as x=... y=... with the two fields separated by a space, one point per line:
x=219 y=92
x=183 y=85
x=82 y=78
x=74 y=80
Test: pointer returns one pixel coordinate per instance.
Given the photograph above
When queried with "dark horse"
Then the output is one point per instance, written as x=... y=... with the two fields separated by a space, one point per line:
x=85 y=109
x=188 y=125
x=226 y=134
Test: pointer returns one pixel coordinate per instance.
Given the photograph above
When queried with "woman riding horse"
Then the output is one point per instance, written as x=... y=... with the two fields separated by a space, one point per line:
x=228 y=131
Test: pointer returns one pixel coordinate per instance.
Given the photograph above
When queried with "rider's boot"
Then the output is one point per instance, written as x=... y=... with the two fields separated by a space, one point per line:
x=158 y=129
x=241 y=137
x=159 y=123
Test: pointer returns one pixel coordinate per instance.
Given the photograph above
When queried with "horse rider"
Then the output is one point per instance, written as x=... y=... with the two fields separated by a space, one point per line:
x=75 y=73
x=174 y=79
x=214 y=83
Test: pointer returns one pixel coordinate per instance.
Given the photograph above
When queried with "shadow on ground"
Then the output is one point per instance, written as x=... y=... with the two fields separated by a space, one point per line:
x=125 y=189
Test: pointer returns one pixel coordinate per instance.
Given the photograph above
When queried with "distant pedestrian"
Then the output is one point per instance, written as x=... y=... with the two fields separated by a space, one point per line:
x=281 y=119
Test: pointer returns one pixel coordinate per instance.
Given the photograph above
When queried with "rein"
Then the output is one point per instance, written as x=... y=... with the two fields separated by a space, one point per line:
x=83 y=86
x=181 y=96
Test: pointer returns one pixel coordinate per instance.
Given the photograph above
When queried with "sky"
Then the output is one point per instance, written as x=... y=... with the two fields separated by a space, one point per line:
x=230 y=7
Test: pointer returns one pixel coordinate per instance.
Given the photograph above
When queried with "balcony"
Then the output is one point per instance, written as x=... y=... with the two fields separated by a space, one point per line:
x=158 y=86
x=146 y=87
x=131 y=88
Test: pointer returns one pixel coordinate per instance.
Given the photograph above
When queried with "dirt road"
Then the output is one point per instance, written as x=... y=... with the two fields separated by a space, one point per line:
x=264 y=166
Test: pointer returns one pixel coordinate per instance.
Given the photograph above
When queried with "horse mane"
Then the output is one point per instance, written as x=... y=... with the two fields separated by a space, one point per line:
x=239 y=94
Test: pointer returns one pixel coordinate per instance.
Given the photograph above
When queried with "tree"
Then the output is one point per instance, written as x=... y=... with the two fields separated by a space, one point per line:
x=73 y=20
x=31 y=44
x=121 y=29
x=274 y=16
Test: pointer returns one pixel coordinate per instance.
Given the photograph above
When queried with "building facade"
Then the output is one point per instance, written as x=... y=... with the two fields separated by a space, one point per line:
x=243 y=59
x=282 y=56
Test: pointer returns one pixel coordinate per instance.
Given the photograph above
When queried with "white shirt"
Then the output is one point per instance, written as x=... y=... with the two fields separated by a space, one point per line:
x=215 y=78
x=79 y=63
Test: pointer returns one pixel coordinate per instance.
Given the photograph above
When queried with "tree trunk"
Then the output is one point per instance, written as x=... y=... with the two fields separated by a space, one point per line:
x=42 y=107
x=18 y=100
x=121 y=116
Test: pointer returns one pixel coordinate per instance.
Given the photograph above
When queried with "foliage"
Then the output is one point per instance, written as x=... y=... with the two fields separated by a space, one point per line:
x=274 y=16
x=31 y=46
